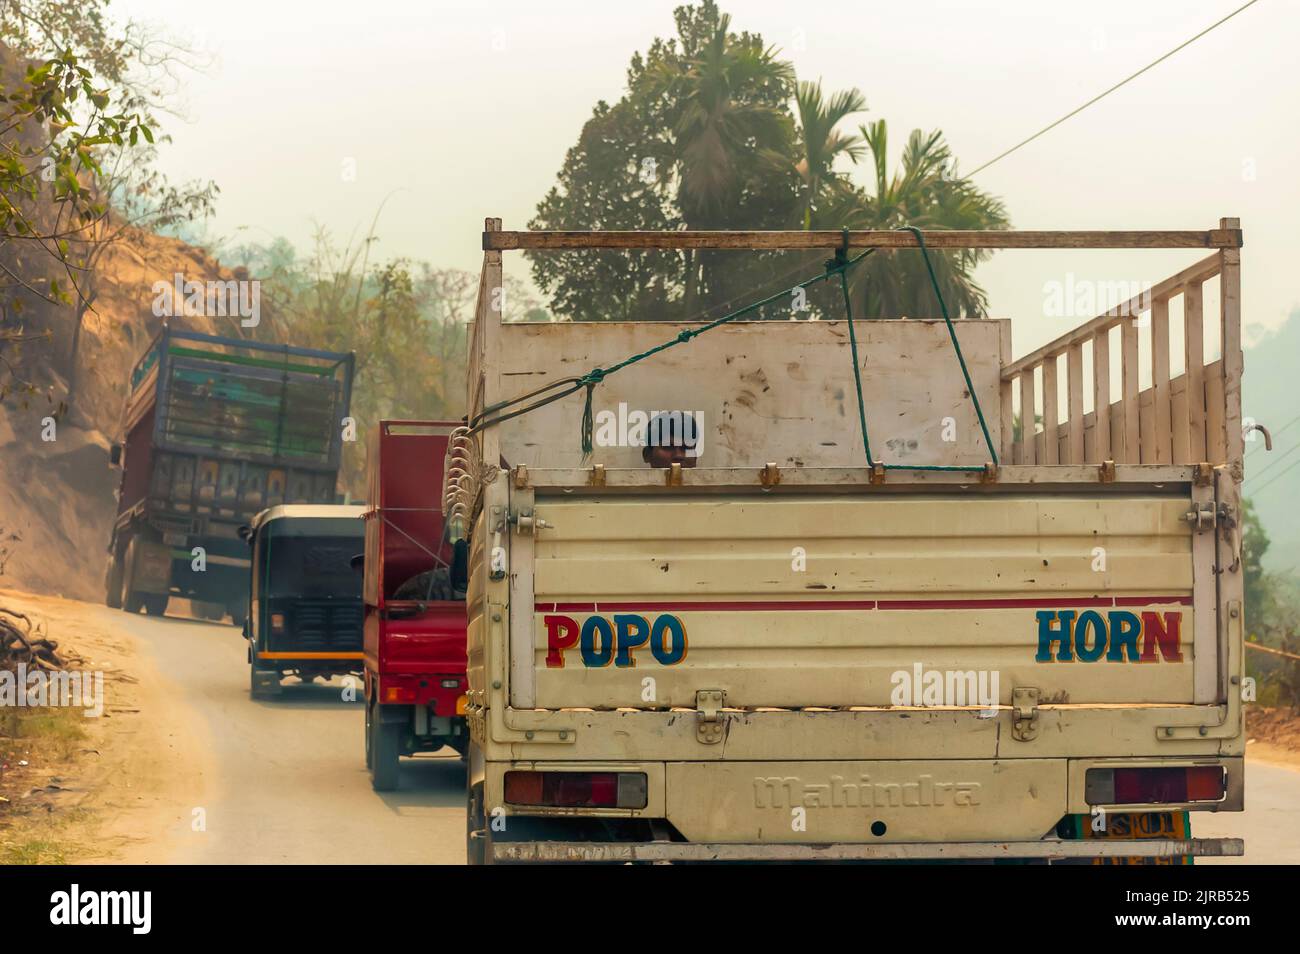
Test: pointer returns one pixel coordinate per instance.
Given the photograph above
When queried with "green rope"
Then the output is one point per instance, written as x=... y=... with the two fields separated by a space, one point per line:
x=838 y=264
x=956 y=346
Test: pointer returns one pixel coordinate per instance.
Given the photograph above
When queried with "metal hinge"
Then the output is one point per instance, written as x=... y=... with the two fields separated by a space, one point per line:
x=1024 y=714
x=709 y=720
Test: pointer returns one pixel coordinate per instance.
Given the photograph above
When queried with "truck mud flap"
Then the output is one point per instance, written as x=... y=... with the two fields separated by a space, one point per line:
x=151 y=567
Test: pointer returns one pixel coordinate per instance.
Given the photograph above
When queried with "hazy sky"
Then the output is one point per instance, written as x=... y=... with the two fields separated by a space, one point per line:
x=464 y=110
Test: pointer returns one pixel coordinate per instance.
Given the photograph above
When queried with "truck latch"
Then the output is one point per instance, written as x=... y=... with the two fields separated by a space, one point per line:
x=526 y=521
x=709 y=720
x=1024 y=714
x=1202 y=518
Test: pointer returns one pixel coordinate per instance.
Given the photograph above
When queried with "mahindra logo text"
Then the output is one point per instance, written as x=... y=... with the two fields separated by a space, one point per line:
x=790 y=791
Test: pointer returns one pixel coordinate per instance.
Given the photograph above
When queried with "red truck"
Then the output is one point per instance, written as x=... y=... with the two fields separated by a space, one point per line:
x=414 y=649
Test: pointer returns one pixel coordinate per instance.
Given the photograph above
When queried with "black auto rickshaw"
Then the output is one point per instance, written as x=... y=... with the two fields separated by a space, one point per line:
x=305 y=610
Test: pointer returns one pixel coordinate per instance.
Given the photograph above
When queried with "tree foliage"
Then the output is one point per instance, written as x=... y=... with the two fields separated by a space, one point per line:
x=923 y=191
x=823 y=143
x=702 y=140
x=77 y=134
x=714 y=132
x=407 y=323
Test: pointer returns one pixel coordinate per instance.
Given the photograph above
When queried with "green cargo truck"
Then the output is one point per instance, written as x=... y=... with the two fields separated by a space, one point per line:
x=215 y=430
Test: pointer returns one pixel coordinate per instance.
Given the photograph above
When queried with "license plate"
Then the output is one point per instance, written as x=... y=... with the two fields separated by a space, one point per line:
x=1129 y=826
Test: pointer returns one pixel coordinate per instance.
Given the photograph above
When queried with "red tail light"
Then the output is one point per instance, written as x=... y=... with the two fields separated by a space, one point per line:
x=577 y=789
x=399 y=694
x=1154 y=786
x=1205 y=783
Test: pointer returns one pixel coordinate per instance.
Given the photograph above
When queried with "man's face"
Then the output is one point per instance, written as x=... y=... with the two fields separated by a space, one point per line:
x=665 y=457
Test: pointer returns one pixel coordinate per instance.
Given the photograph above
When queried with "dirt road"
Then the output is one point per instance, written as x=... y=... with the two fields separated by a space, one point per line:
x=1271 y=822
x=287 y=780
x=291 y=785
x=190 y=770
x=197 y=772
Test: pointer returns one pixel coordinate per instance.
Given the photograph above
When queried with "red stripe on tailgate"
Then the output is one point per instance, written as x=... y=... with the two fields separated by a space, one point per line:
x=753 y=606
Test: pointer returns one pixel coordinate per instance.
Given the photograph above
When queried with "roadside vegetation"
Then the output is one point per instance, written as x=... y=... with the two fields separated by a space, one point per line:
x=1272 y=620
x=407 y=323
x=79 y=106
x=36 y=747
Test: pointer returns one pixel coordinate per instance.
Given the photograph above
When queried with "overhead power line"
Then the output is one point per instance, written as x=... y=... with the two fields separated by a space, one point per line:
x=1123 y=82
x=1282 y=473
x=1272 y=464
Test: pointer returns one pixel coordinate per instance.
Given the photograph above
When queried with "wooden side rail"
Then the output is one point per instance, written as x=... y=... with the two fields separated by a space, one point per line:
x=1192 y=418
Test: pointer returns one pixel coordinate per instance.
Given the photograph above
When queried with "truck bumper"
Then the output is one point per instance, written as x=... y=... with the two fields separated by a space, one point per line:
x=1045 y=850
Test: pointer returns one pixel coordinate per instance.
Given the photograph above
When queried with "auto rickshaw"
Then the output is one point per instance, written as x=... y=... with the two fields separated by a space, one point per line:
x=305 y=612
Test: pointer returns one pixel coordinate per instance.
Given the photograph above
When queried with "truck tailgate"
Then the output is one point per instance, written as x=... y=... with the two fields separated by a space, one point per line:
x=852 y=601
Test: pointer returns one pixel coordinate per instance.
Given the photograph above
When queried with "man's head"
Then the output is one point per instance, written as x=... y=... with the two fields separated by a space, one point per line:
x=672 y=437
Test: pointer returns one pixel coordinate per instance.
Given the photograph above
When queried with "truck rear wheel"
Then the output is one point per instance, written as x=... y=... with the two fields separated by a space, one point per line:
x=476 y=828
x=238 y=613
x=370 y=758
x=113 y=582
x=155 y=604
x=385 y=752
x=128 y=600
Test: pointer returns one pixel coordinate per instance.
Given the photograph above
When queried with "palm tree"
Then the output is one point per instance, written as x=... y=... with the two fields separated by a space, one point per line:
x=727 y=118
x=730 y=131
x=822 y=143
x=926 y=193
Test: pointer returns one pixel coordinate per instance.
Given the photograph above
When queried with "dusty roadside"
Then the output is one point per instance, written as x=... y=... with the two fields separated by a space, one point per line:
x=107 y=788
x=1273 y=735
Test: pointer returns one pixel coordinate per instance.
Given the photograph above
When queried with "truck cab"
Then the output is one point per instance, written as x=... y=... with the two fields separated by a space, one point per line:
x=415 y=579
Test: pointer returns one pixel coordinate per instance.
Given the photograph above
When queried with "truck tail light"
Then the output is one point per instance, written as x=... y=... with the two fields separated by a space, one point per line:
x=1154 y=786
x=401 y=694
x=277 y=622
x=577 y=789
